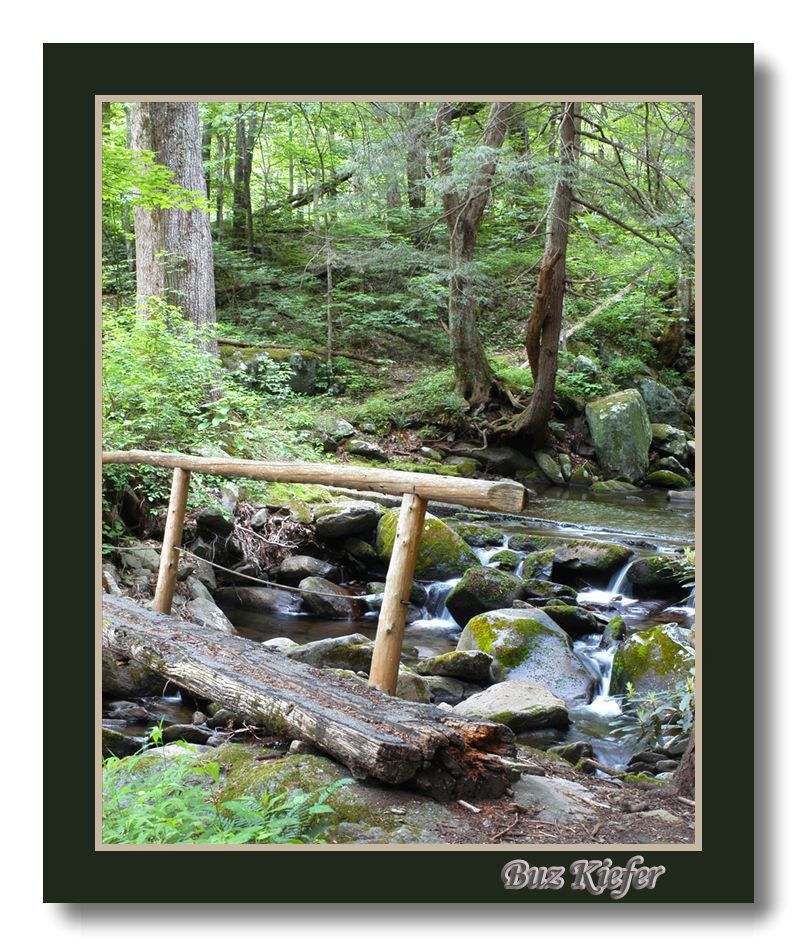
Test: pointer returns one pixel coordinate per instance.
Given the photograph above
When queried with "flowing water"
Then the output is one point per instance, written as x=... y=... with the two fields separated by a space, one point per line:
x=644 y=522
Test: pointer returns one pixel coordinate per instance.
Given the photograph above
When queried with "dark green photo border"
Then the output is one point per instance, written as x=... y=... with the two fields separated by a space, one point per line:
x=73 y=74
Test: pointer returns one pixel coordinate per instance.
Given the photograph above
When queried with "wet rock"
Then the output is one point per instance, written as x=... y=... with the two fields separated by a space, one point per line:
x=659 y=573
x=506 y=559
x=651 y=660
x=614 y=486
x=578 y=622
x=690 y=405
x=621 y=433
x=110 y=580
x=528 y=645
x=223 y=719
x=574 y=752
x=187 y=732
x=526 y=542
x=681 y=496
x=417 y=592
x=473 y=666
x=583 y=476
x=549 y=467
x=442 y=554
x=537 y=565
x=196 y=589
x=207 y=613
x=280 y=644
x=661 y=404
x=614 y=631
x=351 y=652
x=367 y=449
x=540 y=588
x=255 y=599
x=583 y=558
x=117 y=743
x=124 y=709
x=481 y=589
x=565 y=465
x=296 y=567
x=413 y=687
x=260 y=519
x=430 y=453
x=215 y=519
x=446 y=690
x=338 y=520
x=477 y=536
x=517 y=704
x=671 y=441
x=317 y=595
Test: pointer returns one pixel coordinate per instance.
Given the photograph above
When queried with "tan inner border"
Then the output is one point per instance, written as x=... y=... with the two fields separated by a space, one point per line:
x=697 y=845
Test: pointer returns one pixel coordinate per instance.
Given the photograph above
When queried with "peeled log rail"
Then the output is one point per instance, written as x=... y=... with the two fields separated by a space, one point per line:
x=412 y=744
x=496 y=496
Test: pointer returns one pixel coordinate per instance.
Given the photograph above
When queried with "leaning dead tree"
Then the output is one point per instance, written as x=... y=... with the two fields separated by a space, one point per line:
x=396 y=741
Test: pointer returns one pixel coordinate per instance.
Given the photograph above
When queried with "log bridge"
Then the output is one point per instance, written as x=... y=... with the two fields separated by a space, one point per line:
x=429 y=742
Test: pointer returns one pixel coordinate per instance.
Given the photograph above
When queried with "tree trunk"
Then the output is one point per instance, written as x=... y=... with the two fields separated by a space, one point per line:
x=396 y=741
x=683 y=781
x=174 y=256
x=545 y=322
x=464 y=214
x=416 y=167
x=221 y=159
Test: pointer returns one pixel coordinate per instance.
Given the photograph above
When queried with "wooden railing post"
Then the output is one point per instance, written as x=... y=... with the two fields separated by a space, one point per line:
x=172 y=536
x=398 y=585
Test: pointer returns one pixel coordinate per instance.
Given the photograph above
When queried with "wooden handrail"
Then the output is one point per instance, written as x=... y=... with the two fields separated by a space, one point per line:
x=493 y=495
x=416 y=490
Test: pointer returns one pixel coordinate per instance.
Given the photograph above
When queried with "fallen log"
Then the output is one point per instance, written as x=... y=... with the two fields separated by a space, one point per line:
x=234 y=343
x=412 y=744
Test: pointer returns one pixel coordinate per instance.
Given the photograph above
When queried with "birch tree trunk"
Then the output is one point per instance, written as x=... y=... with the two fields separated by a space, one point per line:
x=174 y=257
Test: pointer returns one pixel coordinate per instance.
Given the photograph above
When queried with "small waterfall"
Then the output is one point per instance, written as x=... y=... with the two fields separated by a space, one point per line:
x=435 y=613
x=620 y=584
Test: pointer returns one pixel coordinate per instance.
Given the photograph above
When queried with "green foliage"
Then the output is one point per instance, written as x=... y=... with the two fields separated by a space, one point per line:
x=175 y=802
x=136 y=179
x=431 y=399
x=623 y=369
x=654 y=718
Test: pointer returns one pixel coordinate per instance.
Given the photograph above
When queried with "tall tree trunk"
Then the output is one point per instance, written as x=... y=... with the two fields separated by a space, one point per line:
x=545 y=322
x=207 y=137
x=222 y=160
x=239 y=215
x=683 y=780
x=174 y=257
x=464 y=212
x=126 y=221
x=416 y=166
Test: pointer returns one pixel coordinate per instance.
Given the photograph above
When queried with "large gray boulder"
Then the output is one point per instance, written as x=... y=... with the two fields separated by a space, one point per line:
x=337 y=520
x=517 y=704
x=327 y=599
x=207 y=613
x=351 y=652
x=621 y=432
x=528 y=645
x=588 y=558
x=470 y=665
x=296 y=567
x=482 y=589
x=662 y=405
x=651 y=660
x=501 y=460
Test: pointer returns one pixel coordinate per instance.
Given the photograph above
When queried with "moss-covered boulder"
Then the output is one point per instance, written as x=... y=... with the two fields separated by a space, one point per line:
x=442 y=554
x=549 y=467
x=660 y=573
x=651 y=660
x=614 y=631
x=477 y=536
x=464 y=466
x=582 y=476
x=506 y=559
x=675 y=466
x=518 y=704
x=585 y=558
x=666 y=479
x=417 y=591
x=671 y=441
x=538 y=564
x=526 y=542
x=621 y=433
x=529 y=645
x=482 y=589
x=327 y=599
x=540 y=588
x=473 y=666
x=578 y=622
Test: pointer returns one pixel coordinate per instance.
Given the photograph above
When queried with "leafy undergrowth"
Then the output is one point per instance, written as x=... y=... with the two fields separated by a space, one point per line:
x=148 y=799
